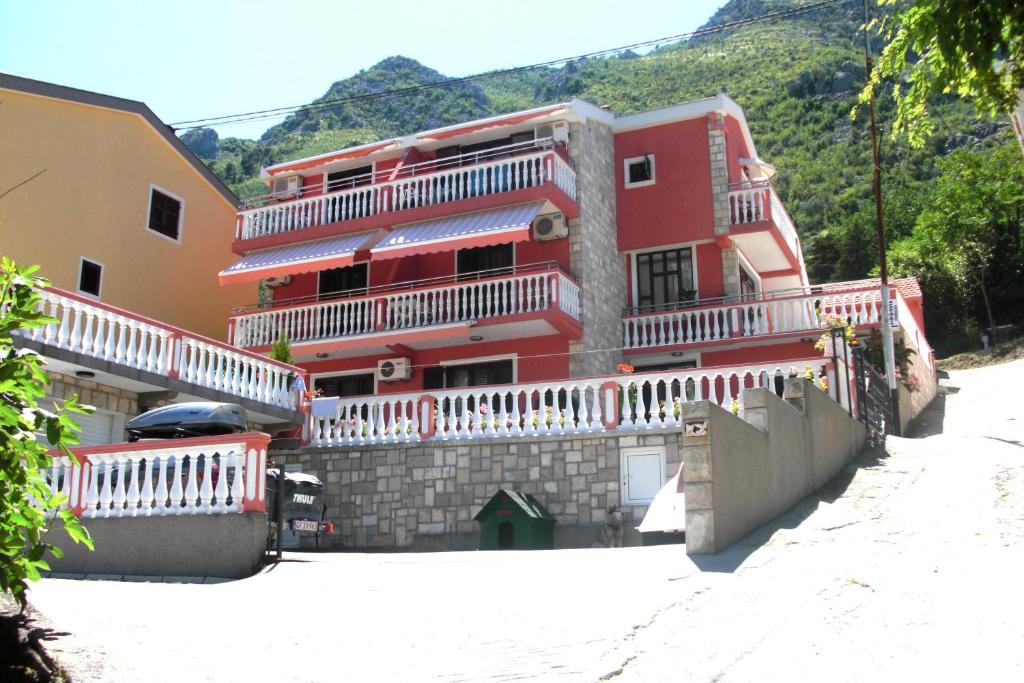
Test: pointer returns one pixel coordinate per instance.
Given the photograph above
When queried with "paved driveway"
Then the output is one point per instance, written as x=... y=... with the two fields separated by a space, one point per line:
x=906 y=569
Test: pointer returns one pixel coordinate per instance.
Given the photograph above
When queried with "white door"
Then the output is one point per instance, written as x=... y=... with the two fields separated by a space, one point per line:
x=643 y=474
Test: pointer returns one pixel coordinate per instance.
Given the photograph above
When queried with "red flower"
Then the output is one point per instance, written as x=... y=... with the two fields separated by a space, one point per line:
x=626 y=369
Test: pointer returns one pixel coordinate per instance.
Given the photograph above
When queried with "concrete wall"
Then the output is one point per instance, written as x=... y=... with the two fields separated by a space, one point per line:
x=425 y=496
x=740 y=473
x=229 y=546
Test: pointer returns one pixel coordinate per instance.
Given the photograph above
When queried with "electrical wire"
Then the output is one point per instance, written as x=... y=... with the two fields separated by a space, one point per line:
x=255 y=115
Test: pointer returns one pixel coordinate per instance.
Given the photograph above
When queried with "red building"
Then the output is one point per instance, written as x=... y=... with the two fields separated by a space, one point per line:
x=532 y=247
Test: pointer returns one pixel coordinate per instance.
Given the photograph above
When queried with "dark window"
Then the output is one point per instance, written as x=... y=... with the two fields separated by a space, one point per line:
x=664 y=277
x=89 y=278
x=353 y=177
x=346 y=385
x=748 y=289
x=347 y=281
x=469 y=375
x=641 y=170
x=164 y=215
x=484 y=261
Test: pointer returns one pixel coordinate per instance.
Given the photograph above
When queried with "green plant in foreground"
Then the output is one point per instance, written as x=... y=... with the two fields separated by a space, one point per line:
x=25 y=495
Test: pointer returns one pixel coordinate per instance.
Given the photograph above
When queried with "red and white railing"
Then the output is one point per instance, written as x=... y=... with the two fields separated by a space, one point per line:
x=757 y=202
x=414 y=187
x=198 y=476
x=913 y=332
x=104 y=332
x=571 y=406
x=749 y=318
x=405 y=309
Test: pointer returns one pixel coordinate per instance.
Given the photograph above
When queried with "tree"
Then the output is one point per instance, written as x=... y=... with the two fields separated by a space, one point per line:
x=971 y=48
x=971 y=230
x=281 y=350
x=25 y=495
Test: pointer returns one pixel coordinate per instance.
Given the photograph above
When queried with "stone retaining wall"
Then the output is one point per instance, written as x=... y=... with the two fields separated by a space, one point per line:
x=425 y=496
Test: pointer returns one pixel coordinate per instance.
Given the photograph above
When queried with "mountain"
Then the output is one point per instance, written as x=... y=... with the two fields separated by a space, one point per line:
x=797 y=79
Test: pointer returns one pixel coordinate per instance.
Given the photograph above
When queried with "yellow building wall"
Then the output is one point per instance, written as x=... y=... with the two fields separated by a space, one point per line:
x=93 y=200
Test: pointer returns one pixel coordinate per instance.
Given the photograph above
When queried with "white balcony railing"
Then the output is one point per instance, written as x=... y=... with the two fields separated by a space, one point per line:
x=418 y=186
x=569 y=406
x=391 y=311
x=748 y=319
x=759 y=202
x=198 y=476
x=124 y=338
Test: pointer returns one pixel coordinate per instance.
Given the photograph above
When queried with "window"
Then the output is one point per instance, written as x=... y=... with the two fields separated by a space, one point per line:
x=664 y=278
x=640 y=171
x=484 y=261
x=90 y=277
x=748 y=287
x=346 y=385
x=468 y=375
x=165 y=214
x=339 y=282
x=353 y=177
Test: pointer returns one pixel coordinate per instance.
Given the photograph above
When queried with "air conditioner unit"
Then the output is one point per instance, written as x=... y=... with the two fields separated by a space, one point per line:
x=550 y=227
x=277 y=281
x=394 y=369
x=287 y=187
x=557 y=131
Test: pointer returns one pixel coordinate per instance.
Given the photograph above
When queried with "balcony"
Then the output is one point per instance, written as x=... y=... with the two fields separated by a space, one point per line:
x=133 y=352
x=716 y=321
x=759 y=222
x=520 y=172
x=515 y=302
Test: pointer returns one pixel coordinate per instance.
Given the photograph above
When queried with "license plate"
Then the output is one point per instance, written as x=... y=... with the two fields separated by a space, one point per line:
x=304 y=525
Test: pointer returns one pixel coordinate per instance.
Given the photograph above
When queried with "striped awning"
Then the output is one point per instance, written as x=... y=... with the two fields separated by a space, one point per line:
x=334 y=252
x=481 y=229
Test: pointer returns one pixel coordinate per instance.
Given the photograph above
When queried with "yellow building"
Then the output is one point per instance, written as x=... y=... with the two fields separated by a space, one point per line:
x=105 y=197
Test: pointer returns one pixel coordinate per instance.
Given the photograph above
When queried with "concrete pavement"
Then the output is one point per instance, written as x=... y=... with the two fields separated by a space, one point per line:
x=906 y=567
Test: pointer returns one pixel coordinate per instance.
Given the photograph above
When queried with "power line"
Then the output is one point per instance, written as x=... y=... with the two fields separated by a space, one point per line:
x=315 y=106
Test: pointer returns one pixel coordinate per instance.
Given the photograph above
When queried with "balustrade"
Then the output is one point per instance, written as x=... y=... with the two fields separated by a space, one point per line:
x=570 y=406
x=422 y=185
x=206 y=475
x=106 y=333
x=464 y=301
x=746 y=319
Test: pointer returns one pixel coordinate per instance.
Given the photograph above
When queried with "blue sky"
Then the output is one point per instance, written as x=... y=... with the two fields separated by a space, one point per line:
x=191 y=59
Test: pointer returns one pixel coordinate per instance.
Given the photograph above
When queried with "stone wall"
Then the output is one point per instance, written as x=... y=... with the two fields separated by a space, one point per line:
x=913 y=402
x=593 y=252
x=94 y=394
x=425 y=496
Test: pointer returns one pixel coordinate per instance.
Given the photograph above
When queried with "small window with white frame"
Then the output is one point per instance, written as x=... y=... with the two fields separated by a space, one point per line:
x=90 y=277
x=639 y=171
x=165 y=213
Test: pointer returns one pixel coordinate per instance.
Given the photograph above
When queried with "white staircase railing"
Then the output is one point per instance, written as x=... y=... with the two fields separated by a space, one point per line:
x=118 y=336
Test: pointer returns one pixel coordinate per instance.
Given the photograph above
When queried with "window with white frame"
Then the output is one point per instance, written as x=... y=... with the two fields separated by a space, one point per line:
x=639 y=171
x=90 y=277
x=165 y=212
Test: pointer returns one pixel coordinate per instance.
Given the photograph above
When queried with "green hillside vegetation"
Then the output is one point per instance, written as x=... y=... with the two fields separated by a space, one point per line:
x=797 y=81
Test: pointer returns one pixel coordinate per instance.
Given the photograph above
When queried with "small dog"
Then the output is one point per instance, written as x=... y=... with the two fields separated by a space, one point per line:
x=612 y=532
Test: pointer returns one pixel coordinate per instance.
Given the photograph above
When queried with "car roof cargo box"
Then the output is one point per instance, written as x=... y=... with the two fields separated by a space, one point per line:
x=201 y=418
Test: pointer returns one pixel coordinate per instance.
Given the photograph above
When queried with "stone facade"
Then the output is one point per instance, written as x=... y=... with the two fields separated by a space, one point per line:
x=425 y=496
x=731 y=271
x=593 y=252
x=94 y=394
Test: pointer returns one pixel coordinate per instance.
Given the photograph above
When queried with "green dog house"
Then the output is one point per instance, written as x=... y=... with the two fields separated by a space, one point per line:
x=512 y=520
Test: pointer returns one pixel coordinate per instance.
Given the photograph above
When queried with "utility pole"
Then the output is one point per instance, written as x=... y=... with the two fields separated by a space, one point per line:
x=888 y=349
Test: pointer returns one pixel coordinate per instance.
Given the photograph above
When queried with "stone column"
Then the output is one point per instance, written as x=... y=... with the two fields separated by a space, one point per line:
x=593 y=252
